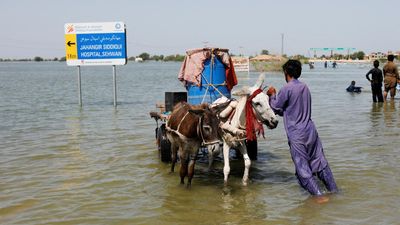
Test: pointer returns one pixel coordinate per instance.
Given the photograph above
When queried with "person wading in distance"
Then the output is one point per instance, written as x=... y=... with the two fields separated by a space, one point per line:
x=391 y=77
x=376 y=82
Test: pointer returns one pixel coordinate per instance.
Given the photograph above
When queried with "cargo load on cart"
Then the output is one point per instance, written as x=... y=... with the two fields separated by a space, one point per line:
x=207 y=74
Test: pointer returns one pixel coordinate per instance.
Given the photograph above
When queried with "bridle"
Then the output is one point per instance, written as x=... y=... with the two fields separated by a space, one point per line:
x=252 y=123
x=200 y=131
x=251 y=114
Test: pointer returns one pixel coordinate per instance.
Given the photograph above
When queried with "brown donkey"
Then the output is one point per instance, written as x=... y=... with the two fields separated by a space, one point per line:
x=188 y=128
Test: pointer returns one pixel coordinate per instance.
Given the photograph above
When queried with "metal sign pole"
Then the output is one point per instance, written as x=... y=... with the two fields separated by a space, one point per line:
x=79 y=86
x=82 y=47
x=115 y=85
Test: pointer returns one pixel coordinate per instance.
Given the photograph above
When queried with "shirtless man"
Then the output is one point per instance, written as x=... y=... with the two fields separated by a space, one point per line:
x=391 y=77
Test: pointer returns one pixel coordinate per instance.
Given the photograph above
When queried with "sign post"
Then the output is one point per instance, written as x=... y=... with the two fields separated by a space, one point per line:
x=96 y=44
x=115 y=85
x=79 y=86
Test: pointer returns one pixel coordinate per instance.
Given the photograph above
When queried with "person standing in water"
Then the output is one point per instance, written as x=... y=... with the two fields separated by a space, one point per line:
x=376 y=82
x=391 y=77
x=293 y=102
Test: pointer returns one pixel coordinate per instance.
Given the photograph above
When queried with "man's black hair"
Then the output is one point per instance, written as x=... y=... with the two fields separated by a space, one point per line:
x=390 y=58
x=376 y=63
x=292 y=68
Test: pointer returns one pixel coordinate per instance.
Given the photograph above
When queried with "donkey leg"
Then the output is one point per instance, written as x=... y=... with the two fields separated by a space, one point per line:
x=183 y=172
x=184 y=165
x=191 y=168
x=210 y=161
x=227 y=168
x=174 y=151
x=213 y=151
x=247 y=164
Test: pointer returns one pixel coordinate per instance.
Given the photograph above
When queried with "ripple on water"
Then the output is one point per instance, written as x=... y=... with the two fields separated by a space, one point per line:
x=61 y=164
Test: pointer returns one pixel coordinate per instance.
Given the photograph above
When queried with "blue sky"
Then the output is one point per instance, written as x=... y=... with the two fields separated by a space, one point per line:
x=35 y=28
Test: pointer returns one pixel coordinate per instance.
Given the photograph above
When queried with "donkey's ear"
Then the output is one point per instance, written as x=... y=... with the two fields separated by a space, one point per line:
x=197 y=112
x=242 y=92
x=260 y=81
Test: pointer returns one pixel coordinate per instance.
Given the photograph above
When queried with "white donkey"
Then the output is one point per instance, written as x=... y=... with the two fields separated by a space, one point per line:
x=235 y=128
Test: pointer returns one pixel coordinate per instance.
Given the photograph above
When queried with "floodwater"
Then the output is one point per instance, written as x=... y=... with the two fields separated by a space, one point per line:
x=62 y=164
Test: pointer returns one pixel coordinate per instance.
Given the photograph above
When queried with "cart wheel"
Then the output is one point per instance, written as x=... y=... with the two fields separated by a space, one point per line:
x=252 y=149
x=165 y=151
x=164 y=147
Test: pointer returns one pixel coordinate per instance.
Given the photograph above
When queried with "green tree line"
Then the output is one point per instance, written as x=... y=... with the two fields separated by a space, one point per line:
x=179 y=58
x=146 y=56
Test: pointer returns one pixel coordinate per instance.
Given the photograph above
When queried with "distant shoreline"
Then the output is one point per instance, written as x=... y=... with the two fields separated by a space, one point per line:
x=341 y=60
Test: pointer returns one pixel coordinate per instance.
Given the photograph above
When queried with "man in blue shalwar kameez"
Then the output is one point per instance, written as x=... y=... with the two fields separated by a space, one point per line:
x=293 y=102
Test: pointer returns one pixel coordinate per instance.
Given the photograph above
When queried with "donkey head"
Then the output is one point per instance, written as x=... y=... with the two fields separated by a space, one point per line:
x=260 y=103
x=208 y=128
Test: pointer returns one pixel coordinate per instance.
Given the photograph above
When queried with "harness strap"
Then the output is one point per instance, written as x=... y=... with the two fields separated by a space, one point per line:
x=183 y=118
x=199 y=132
x=198 y=128
x=232 y=131
x=183 y=137
x=234 y=135
x=230 y=117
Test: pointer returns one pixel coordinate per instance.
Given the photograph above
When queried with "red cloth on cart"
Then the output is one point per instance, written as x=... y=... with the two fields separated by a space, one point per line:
x=193 y=66
x=231 y=79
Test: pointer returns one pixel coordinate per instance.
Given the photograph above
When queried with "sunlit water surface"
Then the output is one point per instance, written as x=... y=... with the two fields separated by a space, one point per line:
x=62 y=164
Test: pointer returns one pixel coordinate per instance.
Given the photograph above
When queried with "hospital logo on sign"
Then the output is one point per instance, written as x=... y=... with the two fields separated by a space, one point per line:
x=70 y=28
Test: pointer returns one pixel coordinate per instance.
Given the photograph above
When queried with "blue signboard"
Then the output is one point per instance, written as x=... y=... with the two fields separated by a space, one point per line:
x=101 y=46
x=95 y=43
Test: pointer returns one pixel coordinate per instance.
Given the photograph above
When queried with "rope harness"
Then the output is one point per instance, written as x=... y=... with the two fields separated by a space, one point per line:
x=198 y=129
x=252 y=127
x=252 y=124
x=209 y=84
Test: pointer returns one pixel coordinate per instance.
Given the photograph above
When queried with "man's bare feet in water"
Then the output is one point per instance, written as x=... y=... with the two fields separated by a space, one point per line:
x=321 y=199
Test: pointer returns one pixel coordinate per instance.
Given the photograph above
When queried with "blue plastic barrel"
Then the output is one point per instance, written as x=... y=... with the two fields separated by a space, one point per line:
x=212 y=74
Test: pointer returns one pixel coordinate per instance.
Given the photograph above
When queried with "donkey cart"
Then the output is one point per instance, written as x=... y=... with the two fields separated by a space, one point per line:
x=213 y=80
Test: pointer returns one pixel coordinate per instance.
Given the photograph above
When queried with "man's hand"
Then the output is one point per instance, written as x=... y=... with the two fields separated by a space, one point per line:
x=271 y=91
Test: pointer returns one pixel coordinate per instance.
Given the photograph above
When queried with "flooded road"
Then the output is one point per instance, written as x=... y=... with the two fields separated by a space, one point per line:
x=60 y=164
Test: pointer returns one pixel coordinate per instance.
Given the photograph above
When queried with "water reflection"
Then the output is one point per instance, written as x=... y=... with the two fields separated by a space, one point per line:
x=74 y=160
x=389 y=110
x=244 y=206
x=70 y=165
x=376 y=115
